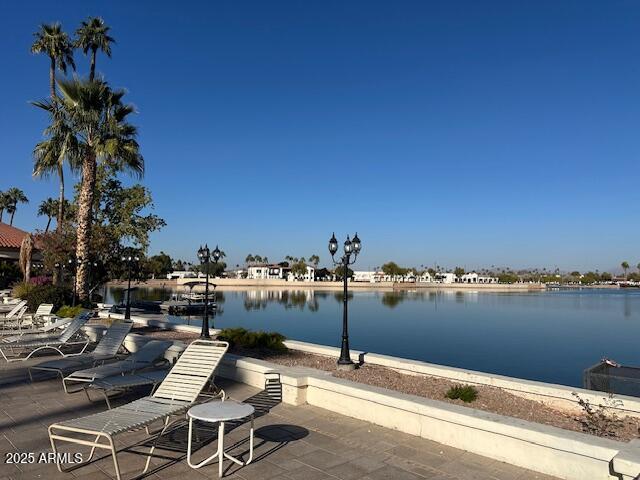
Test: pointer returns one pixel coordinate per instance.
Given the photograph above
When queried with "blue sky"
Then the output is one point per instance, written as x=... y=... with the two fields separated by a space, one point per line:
x=459 y=133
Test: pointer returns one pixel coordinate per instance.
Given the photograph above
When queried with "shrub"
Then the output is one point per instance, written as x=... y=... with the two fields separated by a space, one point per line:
x=466 y=393
x=22 y=290
x=38 y=294
x=248 y=339
x=69 y=312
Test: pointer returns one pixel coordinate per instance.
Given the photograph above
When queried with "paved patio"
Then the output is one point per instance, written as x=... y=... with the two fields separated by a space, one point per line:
x=292 y=443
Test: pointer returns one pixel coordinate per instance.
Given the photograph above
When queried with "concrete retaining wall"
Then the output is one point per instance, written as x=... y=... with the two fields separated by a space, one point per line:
x=550 y=450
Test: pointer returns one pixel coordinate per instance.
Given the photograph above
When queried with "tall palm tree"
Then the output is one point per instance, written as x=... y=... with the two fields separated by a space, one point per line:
x=15 y=196
x=98 y=119
x=93 y=35
x=50 y=155
x=625 y=267
x=48 y=208
x=55 y=43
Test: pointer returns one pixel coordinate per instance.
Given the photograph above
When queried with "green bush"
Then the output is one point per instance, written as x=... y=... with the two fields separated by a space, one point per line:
x=69 y=312
x=248 y=339
x=466 y=393
x=38 y=294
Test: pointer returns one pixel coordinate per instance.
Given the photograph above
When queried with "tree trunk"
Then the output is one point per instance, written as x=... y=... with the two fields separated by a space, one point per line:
x=12 y=214
x=1 y=214
x=52 y=78
x=92 y=72
x=60 y=199
x=48 y=224
x=85 y=220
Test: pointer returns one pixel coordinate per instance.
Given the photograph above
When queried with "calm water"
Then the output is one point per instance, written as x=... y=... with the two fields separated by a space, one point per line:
x=548 y=336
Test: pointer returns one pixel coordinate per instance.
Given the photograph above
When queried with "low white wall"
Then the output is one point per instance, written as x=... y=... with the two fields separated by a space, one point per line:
x=559 y=396
x=550 y=450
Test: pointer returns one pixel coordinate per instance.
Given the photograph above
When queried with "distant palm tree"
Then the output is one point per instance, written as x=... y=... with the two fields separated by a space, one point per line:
x=625 y=267
x=54 y=42
x=638 y=267
x=50 y=156
x=48 y=208
x=4 y=203
x=15 y=196
x=93 y=35
x=249 y=259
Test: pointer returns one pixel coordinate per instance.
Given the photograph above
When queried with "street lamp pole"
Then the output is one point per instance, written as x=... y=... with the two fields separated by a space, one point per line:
x=351 y=247
x=129 y=259
x=205 y=257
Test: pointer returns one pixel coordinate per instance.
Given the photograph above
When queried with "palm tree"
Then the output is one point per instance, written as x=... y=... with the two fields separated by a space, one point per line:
x=4 y=203
x=625 y=267
x=98 y=119
x=15 y=196
x=48 y=208
x=249 y=259
x=50 y=155
x=93 y=36
x=53 y=41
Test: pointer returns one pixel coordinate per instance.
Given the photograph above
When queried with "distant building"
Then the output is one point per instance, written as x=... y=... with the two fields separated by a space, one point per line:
x=279 y=271
x=473 y=277
x=445 y=277
x=181 y=274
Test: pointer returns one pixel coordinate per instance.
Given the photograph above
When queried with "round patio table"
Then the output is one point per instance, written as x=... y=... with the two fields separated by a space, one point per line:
x=220 y=412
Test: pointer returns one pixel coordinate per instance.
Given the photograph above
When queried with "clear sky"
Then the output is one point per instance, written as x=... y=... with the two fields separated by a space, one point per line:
x=454 y=132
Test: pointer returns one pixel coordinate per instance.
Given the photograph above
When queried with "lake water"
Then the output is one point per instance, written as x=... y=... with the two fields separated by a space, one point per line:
x=549 y=336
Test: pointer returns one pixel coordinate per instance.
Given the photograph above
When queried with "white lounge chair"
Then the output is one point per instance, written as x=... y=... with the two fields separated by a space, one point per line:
x=70 y=336
x=41 y=314
x=107 y=349
x=181 y=389
x=11 y=309
x=45 y=331
x=146 y=357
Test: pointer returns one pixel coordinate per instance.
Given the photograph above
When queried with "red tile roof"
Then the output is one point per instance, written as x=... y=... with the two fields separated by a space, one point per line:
x=10 y=237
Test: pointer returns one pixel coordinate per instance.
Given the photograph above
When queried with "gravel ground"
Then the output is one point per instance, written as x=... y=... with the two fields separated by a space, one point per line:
x=490 y=399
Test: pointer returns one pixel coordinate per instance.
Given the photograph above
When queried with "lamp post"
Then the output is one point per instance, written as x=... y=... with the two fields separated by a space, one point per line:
x=351 y=247
x=205 y=258
x=129 y=259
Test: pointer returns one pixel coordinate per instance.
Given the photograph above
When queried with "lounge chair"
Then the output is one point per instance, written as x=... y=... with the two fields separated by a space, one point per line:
x=14 y=320
x=144 y=358
x=69 y=337
x=41 y=314
x=46 y=331
x=181 y=389
x=107 y=349
x=11 y=309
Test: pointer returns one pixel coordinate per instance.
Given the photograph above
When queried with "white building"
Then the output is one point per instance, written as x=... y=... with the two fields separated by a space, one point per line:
x=181 y=274
x=278 y=272
x=473 y=277
x=364 y=276
x=266 y=272
x=310 y=276
x=445 y=277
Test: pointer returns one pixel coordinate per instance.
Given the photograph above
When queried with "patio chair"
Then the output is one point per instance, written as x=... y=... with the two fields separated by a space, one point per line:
x=11 y=309
x=107 y=349
x=41 y=314
x=144 y=358
x=181 y=389
x=69 y=337
x=45 y=331
x=13 y=320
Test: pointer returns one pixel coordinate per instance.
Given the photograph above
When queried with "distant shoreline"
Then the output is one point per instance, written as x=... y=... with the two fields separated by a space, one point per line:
x=241 y=284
